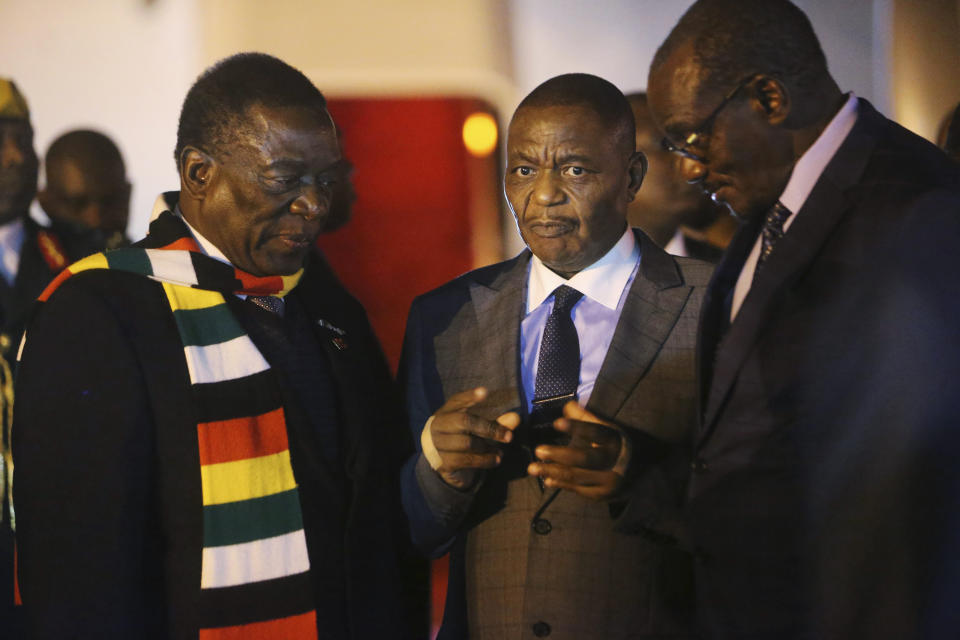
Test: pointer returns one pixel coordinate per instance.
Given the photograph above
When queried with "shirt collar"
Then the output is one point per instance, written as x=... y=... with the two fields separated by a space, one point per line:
x=603 y=281
x=11 y=242
x=11 y=234
x=209 y=249
x=815 y=159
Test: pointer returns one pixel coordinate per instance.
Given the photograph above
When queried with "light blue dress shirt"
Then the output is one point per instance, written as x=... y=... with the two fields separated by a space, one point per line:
x=604 y=286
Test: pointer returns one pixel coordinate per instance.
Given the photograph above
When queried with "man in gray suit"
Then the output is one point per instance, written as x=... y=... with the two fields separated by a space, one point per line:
x=527 y=501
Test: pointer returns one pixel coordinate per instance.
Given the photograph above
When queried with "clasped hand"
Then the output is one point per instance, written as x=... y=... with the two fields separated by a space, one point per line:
x=465 y=443
x=587 y=464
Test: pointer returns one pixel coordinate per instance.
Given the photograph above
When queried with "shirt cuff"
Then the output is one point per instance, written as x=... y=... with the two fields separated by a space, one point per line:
x=448 y=504
x=426 y=443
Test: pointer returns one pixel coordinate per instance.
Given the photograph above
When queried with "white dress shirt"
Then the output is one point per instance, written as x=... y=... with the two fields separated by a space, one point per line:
x=604 y=286
x=805 y=174
x=677 y=246
x=209 y=249
x=11 y=244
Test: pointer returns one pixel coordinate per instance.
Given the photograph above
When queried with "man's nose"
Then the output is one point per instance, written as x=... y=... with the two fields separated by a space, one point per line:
x=546 y=189
x=313 y=201
x=692 y=170
x=10 y=153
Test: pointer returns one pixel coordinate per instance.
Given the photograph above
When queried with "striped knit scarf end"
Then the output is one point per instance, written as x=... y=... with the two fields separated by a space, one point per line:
x=255 y=580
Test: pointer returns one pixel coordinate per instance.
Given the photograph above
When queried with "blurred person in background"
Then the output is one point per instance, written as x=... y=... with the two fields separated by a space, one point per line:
x=678 y=216
x=948 y=137
x=87 y=192
x=29 y=258
x=344 y=194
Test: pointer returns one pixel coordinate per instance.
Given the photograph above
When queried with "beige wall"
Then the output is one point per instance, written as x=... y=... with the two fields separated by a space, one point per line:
x=925 y=62
x=120 y=66
x=374 y=47
x=124 y=65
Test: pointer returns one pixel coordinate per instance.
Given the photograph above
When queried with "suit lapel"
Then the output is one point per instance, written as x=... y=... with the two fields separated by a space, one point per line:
x=715 y=314
x=498 y=309
x=497 y=312
x=333 y=335
x=814 y=224
x=654 y=302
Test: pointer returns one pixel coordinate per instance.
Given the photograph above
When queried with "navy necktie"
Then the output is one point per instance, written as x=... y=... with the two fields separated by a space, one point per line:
x=558 y=366
x=772 y=232
x=270 y=303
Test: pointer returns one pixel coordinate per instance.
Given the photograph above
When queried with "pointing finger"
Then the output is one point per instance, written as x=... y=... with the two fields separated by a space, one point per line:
x=464 y=399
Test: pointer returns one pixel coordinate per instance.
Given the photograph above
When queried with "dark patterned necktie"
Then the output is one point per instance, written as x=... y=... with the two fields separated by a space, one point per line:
x=772 y=232
x=558 y=367
x=272 y=304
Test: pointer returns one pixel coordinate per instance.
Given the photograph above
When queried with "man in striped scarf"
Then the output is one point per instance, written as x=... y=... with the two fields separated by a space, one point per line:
x=203 y=431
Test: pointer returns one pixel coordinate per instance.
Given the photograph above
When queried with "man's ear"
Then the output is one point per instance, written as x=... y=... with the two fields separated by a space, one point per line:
x=197 y=170
x=638 y=170
x=772 y=97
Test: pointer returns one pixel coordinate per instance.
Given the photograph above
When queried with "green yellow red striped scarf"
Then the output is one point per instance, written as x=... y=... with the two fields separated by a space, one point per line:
x=255 y=568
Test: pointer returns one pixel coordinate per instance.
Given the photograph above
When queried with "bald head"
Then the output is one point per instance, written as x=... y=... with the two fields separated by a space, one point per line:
x=734 y=38
x=86 y=182
x=83 y=146
x=590 y=92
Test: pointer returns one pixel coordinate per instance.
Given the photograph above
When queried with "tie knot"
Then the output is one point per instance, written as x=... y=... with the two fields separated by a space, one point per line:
x=270 y=303
x=777 y=215
x=564 y=298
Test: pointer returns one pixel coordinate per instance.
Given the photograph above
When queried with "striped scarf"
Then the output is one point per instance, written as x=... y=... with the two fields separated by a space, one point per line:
x=255 y=570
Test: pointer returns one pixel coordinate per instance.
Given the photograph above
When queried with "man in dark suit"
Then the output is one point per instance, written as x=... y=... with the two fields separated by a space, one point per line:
x=205 y=436
x=593 y=311
x=822 y=503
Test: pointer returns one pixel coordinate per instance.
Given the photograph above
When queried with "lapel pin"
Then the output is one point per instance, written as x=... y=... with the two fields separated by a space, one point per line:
x=331 y=327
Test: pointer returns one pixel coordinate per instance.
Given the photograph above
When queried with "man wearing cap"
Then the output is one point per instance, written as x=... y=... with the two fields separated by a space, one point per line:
x=30 y=256
x=594 y=312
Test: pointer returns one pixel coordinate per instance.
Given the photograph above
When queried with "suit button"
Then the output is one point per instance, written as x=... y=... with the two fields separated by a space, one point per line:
x=699 y=465
x=541 y=629
x=543 y=527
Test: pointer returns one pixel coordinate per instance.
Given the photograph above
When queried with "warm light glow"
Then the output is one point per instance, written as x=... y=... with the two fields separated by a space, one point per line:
x=480 y=134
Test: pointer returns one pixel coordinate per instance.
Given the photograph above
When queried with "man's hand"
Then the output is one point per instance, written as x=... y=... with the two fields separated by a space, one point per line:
x=586 y=464
x=464 y=442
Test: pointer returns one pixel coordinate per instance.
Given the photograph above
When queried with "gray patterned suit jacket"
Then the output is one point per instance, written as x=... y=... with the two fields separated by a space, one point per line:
x=572 y=575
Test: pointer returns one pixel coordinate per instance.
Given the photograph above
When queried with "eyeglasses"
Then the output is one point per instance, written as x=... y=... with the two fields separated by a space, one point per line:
x=700 y=132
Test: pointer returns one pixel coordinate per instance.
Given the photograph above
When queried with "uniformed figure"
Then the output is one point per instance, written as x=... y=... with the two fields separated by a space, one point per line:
x=30 y=256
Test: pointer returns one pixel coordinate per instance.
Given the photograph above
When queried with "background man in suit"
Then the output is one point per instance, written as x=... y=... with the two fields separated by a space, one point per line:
x=197 y=451
x=678 y=216
x=593 y=311
x=86 y=187
x=821 y=503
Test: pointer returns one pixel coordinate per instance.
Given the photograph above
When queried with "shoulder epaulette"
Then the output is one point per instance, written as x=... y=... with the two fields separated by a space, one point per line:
x=51 y=250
